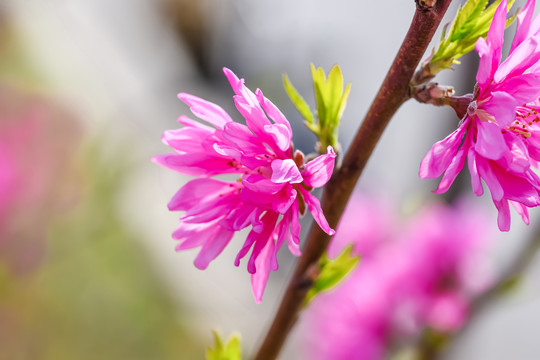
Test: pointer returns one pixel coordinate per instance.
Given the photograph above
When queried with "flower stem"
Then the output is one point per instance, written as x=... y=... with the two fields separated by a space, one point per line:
x=393 y=93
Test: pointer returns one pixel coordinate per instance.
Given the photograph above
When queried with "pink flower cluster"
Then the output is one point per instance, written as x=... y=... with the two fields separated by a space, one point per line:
x=411 y=276
x=272 y=190
x=500 y=135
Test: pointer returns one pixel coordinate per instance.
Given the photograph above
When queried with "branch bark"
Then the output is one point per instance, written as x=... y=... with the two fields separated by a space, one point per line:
x=393 y=93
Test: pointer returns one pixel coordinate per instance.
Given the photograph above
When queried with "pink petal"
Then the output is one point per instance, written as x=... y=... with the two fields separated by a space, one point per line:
x=315 y=208
x=502 y=106
x=240 y=137
x=490 y=50
x=503 y=218
x=272 y=111
x=260 y=278
x=441 y=153
x=522 y=88
x=521 y=210
x=486 y=172
x=523 y=24
x=473 y=169
x=240 y=89
x=213 y=247
x=186 y=139
x=490 y=141
x=261 y=241
x=285 y=234
x=452 y=171
x=285 y=171
x=284 y=200
x=295 y=223
x=206 y=110
x=318 y=171
x=197 y=191
x=522 y=58
x=196 y=164
x=281 y=134
x=260 y=184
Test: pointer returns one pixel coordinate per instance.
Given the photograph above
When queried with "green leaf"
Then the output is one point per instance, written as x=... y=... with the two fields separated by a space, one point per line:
x=472 y=21
x=333 y=93
x=319 y=84
x=331 y=101
x=332 y=272
x=298 y=100
x=229 y=351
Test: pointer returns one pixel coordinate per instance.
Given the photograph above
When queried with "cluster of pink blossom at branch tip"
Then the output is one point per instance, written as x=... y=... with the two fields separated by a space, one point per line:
x=413 y=275
x=272 y=188
x=500 y=134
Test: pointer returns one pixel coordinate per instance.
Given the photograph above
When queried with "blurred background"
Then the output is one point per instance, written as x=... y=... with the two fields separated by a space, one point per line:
x=87 y=263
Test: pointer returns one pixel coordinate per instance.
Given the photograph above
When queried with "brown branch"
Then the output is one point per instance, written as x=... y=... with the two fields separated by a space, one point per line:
x=393 y=93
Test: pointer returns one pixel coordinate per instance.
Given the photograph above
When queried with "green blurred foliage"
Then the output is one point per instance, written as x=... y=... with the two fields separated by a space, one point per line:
x=332 y=272
x=229 y=350
x=96 y=295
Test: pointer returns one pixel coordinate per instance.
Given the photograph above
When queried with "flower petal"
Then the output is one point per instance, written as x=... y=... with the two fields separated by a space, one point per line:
x=315 y=208
x=206 y=110
x=441 y=153
x=318 y=171
x=285 y=171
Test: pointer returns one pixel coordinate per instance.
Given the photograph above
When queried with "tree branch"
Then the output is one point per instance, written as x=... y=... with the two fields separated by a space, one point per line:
x=393 y=93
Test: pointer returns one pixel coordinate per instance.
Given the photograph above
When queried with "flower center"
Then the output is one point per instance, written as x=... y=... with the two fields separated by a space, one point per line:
x=526 y=119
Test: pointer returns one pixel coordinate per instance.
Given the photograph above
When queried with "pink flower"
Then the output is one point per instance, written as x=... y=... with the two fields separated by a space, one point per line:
x=421 y=273
x=271 y=193
x=499 y=138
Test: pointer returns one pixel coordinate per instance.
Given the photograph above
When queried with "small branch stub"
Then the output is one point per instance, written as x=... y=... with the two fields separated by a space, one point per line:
x=425 y=5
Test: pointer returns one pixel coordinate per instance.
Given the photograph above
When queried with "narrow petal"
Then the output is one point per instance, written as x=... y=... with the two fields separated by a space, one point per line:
x=318 y=171
x=213 y=247
x=295 y=223
x=272 y=111
x=261 y=241
x=489 y=61
x=452 y=171
x=441 y=153
x=523 y=24
x=315 y=208
x=473 y=170
x=522 y=210
x=503 y=218
x=522 y=58
x=240 y=89
x=197 y=191
x=206 y=110
x=260 y=278
x=197 y=164
x=486 y=172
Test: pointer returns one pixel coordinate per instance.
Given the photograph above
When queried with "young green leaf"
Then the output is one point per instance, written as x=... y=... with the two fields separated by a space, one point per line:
x=298 y=100
x=472 y=21
x=332 y=272
x=331 y=101
x=225 y=351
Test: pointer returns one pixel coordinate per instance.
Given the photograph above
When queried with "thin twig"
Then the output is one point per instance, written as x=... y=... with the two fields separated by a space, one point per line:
x=393 y=93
